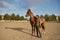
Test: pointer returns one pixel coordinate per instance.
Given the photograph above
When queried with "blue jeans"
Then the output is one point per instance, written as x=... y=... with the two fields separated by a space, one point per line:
x=38 y=31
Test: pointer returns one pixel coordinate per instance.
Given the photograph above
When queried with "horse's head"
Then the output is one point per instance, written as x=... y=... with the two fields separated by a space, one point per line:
x=28 y=13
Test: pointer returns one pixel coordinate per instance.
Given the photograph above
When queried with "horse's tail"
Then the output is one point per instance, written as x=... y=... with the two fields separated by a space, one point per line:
x=43 y=27
x=42 y=20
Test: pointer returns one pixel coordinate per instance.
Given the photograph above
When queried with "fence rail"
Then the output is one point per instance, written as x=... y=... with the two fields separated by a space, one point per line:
x=25 y=21
x=14 y=21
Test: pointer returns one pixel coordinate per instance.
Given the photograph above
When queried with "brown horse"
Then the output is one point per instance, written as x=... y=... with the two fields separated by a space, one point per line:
x=29 y=13
x=32 y=20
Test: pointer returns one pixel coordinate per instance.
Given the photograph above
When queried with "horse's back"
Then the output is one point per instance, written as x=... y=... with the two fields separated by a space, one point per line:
x=42 y=20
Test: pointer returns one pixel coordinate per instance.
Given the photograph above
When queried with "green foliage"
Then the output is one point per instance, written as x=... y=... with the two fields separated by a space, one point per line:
x=52 y=17
x=0 y=17
x=46 y=17
x=41 y=16
x=17 y=17
x=59 y=18
x=13 y=17
x=22 y=18
x=7 y=17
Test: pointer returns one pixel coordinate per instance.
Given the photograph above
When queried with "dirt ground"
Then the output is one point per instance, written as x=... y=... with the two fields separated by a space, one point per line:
x=22 y=31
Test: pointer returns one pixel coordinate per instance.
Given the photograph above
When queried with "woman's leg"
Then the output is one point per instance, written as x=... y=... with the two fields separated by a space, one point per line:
x=37 y=30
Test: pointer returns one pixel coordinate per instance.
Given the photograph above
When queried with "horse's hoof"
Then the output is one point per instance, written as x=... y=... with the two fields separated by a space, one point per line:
x=37 y=36
x=32 y=34
x=40 y=36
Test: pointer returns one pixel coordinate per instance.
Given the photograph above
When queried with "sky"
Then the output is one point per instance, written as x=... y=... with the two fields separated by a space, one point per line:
x=38 y=7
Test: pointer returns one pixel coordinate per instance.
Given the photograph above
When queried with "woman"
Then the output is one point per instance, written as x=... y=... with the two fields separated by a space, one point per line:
x=37 y=25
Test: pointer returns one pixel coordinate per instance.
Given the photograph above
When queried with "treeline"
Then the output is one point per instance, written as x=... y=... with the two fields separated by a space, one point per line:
x=12 y=17
x=51 y=17
x=47 y=17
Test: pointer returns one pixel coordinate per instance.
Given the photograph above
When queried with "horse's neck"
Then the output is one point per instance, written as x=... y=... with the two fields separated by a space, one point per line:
x=31 y=17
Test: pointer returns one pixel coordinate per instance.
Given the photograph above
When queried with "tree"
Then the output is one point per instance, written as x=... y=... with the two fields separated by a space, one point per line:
x=52 y=17
x=41 y=16
x=59 y=18
x=46 y=17
x=22 y=18
x=17 y=17
x=6 y=17
x=0 y=17
x=13 y=17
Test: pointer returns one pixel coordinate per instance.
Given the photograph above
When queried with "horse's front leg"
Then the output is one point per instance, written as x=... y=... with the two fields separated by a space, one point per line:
x=33 y=30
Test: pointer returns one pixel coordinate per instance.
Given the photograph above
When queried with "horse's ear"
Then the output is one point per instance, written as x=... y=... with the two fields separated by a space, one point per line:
x=29 y=10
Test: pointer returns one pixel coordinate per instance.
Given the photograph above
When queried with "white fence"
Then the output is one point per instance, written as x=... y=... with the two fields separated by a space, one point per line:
x=25 y=21
x=13 y=21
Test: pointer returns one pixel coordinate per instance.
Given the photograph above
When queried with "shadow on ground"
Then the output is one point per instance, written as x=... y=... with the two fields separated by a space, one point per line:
x=21 y=30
